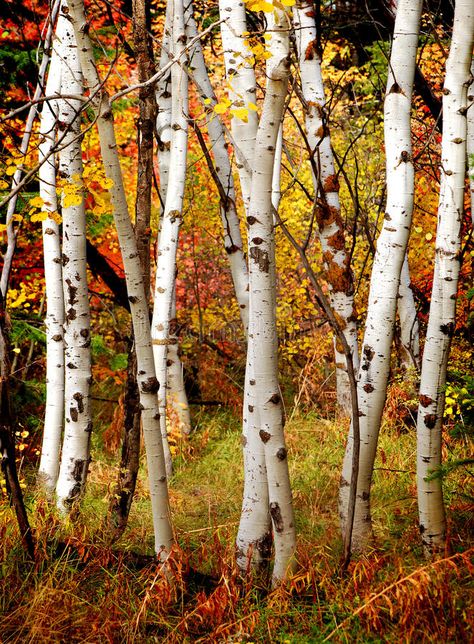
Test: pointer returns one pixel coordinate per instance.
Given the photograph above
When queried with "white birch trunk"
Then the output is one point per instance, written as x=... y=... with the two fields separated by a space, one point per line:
x=389 y=257
x=230 y=220
x=446 y=272
x=330 y=225
x=409 y=327
x=254 y=534
x=54 y=320
x=78 y=420
x=171 y=220
x=147 y=382
x=163 y=100
x=176 y=393
x=242 y=85
x=263 y=347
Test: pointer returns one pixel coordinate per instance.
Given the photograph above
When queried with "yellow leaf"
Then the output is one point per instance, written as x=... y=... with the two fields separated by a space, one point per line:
x=429 y=236
x=72 y=200
x=39 y=216
x=241 y=113
x=220 y=108
x=11 y=170
x=252 y=106
x=36 y=202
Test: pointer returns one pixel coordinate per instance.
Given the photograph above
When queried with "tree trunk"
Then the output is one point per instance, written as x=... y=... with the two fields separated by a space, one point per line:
x=171 y=220
x=147 y=382
x=263 y=344
x=121 y=500
x=75 y=455
x=54 y=413
x=177 y=400
x=336 y=258
x=388 y=260
x=254 y=534
x=442 y=321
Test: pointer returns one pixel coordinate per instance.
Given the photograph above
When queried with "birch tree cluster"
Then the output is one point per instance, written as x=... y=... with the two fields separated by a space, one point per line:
x=245 y=124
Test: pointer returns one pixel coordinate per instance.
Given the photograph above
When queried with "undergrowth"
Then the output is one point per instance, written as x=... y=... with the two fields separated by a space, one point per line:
x=83 y=589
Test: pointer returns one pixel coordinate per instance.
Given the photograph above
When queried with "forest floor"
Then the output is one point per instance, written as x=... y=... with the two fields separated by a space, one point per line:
x=82 y=589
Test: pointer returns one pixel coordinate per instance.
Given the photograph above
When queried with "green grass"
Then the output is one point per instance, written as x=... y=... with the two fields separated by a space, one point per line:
x=82 y=589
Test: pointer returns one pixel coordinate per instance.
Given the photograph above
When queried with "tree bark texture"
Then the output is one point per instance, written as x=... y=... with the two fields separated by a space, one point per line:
x=387 y=266
x=147 y=382
x=54 y=321
x=442 y=321
x=172 y=217
x=75 y=455
x=122 y=497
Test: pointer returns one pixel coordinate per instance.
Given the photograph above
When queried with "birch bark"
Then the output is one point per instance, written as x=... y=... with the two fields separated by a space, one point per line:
x=388 y=260
x=445 y=280
x=172 y=217
x=122 y=496
x=147 y=382
x=263 y=347
x=54 y=321
x=330 y=225
x=78 y=419
x=177 y=400
x=254 y=538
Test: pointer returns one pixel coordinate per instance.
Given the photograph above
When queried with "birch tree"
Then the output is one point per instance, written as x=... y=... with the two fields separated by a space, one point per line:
x=176 y=396
x=54 y=413
x=262 y=347
x=172 y=217
x=147 y=382
x=122 y=497
x=387 y=266
x=445 y=280
x=78 y=420
x=328 y=214
x=254 y=537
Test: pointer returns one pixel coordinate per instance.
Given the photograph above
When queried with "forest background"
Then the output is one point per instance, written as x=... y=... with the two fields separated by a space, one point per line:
x=81 y=587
